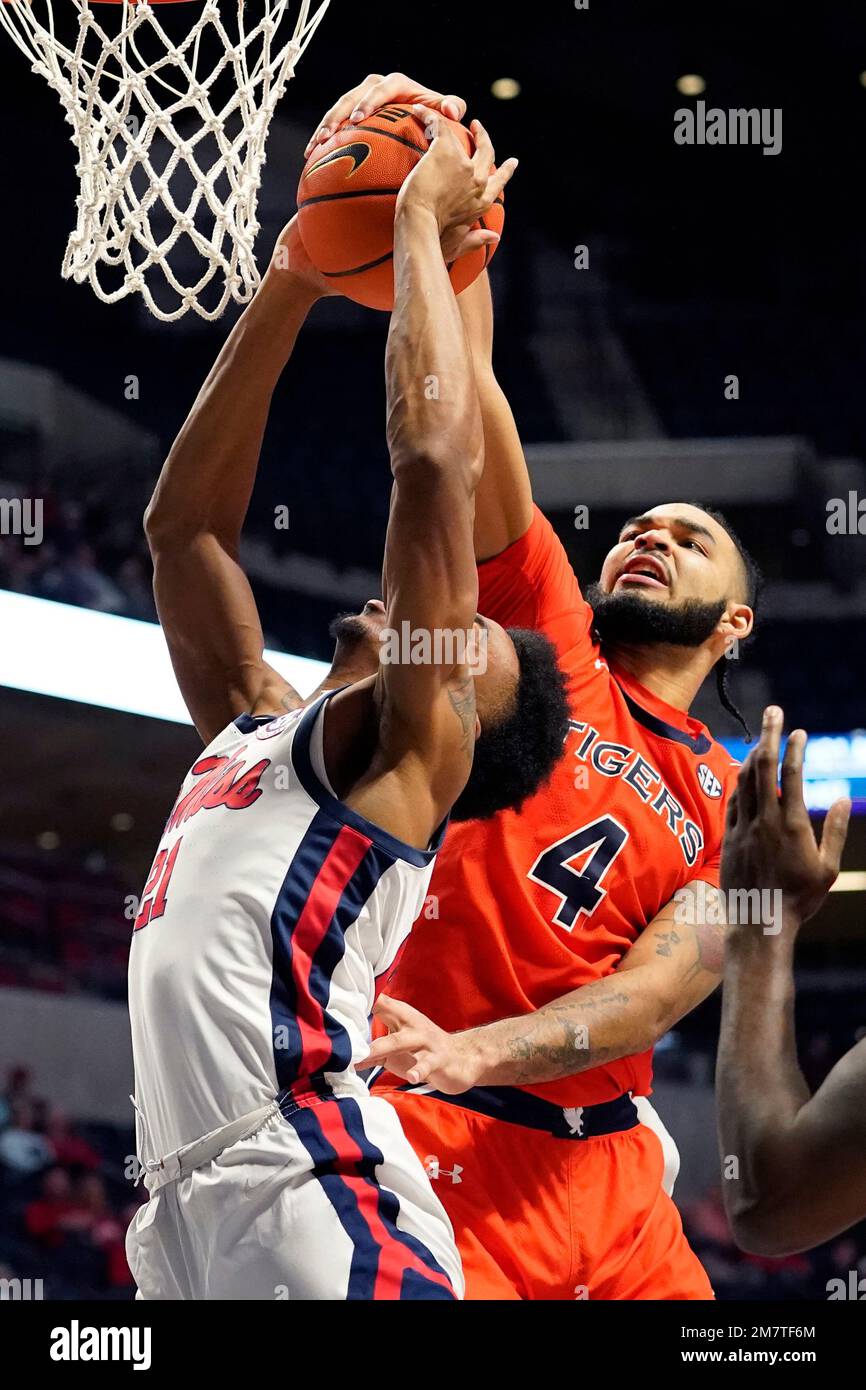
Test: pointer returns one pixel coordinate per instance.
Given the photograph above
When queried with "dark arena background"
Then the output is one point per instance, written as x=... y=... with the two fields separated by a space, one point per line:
x=671 y=320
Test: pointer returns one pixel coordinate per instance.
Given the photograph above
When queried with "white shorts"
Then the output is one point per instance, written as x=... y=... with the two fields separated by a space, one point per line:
x=323 y=1201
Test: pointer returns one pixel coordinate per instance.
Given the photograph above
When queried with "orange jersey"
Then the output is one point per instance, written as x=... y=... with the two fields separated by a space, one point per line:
x=534 y=904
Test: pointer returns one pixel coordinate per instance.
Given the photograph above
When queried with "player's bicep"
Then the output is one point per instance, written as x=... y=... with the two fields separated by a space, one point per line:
x=819 y=1178
x=503 y=508
x=431 y=587
x=682 y=949
x=211 y=625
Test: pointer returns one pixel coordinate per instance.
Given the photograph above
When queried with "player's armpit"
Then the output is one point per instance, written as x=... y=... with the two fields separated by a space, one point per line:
x=211 y=626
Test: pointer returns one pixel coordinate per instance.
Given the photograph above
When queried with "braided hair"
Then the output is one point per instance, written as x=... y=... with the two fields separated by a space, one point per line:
x=753 y=583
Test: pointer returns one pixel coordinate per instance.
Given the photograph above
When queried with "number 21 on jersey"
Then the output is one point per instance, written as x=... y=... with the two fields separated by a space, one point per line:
x=155 y=895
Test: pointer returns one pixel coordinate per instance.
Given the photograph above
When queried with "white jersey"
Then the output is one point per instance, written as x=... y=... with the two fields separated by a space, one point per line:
x=269 y=912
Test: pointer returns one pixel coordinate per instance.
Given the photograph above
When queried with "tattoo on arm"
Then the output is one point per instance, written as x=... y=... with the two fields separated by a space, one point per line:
x=462 y=698
x=709 y=946
x=667 y=940
x=571 y=1051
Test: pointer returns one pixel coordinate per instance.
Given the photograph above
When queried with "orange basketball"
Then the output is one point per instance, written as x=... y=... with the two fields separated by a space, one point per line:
x=346 y=200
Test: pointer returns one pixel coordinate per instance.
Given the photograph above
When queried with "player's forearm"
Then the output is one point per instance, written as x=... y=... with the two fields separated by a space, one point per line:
x=206 y=482
x=760 y=1089
x=432 y=403
x=619 y=1016
x=503 y=501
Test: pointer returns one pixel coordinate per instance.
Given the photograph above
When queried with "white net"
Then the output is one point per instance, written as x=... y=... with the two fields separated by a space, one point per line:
x=170 y=106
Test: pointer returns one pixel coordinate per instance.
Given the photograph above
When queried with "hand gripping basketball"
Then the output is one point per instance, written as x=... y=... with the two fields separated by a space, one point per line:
x=348 y=191
x=376 y=91
x=458 y=188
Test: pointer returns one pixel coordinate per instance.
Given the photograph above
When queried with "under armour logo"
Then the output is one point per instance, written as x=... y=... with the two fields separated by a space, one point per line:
x=600 y=665
x=574 y=1120
x=433 y=1169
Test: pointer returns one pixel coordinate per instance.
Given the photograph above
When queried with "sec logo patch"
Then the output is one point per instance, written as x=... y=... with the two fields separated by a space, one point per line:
x=709 y=782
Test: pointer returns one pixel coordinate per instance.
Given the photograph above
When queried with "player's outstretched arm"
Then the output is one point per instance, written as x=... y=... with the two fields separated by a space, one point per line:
x=194 y=520
x=425 y=685
x=672 y=967
x=793 y=1164
x=503 y=503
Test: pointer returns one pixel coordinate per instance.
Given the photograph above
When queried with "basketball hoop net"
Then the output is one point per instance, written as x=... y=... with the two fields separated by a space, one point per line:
x=170 y=135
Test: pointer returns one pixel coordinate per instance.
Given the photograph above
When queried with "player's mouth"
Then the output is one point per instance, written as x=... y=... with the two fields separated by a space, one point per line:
x=646 y=571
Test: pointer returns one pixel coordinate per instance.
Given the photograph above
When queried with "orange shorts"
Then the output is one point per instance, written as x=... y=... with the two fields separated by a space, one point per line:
x=542 y=1215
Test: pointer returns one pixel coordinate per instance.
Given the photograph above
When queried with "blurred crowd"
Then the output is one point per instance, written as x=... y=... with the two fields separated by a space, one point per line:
x=736 y=1275
x=65 y=1199
x=62 y=926
x=91 y=554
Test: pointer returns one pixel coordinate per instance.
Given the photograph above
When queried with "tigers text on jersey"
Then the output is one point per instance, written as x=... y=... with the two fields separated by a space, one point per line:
x=269 y=912
x=532 y=905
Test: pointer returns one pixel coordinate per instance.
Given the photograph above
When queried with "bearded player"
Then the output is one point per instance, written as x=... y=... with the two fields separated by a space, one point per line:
x=572 y=936
x=299 y=850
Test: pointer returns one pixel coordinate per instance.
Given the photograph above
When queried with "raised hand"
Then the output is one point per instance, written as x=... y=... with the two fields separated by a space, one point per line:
x=457 y=188
x=377 y=90
x=769 y=842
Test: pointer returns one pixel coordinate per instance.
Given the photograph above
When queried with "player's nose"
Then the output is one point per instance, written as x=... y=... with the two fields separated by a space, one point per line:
x=653 y=540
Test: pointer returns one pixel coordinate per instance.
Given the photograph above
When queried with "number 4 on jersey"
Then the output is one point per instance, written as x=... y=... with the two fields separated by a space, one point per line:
x=578 y=889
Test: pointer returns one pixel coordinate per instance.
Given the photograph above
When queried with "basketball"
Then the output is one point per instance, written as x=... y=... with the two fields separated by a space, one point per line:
x=346 y=200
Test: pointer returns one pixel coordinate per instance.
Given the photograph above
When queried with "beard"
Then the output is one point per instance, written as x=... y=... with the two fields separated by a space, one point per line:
x=635 y=621
x=346 y=629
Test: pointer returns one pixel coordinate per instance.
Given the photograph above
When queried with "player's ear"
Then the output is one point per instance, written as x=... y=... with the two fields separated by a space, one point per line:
x=477 y=728
x=737 y=621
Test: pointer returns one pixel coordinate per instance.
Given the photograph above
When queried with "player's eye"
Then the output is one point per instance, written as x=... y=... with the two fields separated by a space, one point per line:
x=694 y=545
